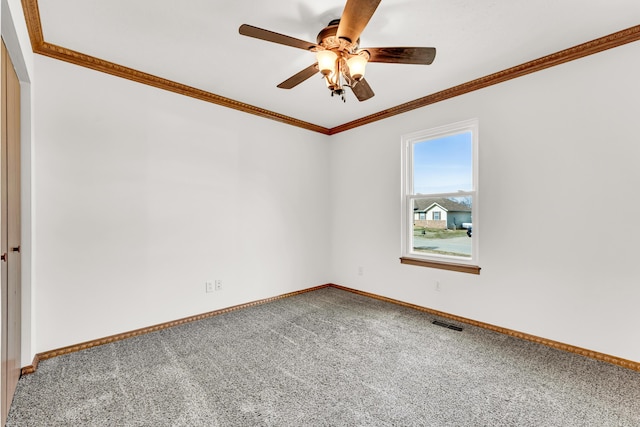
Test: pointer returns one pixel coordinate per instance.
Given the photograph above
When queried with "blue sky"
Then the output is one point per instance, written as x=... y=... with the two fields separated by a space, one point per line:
x=443 y=165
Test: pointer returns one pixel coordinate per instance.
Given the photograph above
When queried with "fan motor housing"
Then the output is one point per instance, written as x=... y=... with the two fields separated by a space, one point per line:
x=327 y=38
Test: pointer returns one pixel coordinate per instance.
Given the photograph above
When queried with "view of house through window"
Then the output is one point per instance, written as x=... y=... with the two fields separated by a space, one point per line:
x=440 y=172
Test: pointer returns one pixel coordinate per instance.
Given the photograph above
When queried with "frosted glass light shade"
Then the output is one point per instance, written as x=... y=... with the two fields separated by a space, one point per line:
x=356 y=66
x=326 y=61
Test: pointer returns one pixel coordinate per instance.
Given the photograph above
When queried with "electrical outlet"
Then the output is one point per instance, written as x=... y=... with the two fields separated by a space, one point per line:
x=218 y=285
x=360 y=271
x=208 y=287
x=438 y=286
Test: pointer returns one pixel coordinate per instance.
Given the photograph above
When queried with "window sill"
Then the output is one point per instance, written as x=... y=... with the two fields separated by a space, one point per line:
x=462 y=268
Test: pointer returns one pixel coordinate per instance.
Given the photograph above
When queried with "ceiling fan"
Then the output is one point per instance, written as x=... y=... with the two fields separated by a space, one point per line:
x=340 y=60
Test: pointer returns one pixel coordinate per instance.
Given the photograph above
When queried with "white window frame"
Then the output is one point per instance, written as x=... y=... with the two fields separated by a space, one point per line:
x=408 y=195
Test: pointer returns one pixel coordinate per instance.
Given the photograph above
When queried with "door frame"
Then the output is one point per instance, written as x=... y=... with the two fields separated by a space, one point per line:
x=19 y=50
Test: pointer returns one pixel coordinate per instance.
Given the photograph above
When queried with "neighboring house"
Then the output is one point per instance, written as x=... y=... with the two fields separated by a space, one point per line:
x=440 y=213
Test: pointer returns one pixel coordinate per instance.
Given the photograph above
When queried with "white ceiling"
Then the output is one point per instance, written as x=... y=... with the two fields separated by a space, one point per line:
x=196 y=42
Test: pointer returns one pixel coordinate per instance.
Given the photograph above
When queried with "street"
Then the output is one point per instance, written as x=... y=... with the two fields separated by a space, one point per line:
x=455 y=245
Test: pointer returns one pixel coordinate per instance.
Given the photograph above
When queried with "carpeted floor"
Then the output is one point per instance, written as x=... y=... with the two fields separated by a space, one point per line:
x=325 y=358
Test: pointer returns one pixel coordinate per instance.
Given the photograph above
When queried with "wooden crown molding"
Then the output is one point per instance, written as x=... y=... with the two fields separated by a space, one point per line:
x=580 y=51
x=628 y=364
x=77 y=58
x=40 y=46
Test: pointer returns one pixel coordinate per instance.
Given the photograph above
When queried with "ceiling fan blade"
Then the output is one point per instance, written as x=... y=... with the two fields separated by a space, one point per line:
x=270 y=36
x=402 y=55
x=355 y=17
x=298 y=78
x=362 y=90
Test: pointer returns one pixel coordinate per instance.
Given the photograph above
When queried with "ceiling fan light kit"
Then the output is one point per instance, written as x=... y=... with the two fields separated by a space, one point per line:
x=337 y=66
x=340 y=61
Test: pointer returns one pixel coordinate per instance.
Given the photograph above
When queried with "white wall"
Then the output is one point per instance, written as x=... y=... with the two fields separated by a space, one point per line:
x=143 y=195
x=564 y=139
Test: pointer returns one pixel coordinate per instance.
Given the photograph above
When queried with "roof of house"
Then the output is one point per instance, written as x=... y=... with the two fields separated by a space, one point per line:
x=448 y=204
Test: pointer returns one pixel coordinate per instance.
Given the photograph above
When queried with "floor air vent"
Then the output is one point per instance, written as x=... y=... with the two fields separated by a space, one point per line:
x=447 y=325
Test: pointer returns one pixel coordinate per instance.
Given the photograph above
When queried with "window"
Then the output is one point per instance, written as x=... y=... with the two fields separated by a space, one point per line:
x=440 y=177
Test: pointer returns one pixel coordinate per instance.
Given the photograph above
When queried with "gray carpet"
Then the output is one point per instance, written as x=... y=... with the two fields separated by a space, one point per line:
x=325 y=358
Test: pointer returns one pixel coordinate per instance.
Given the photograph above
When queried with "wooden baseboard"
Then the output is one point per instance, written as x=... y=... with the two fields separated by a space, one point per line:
x=629 y=364
x=30 y=369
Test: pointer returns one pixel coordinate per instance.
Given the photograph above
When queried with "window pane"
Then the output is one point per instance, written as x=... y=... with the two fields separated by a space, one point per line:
x=450 y=234
x=443 y=165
